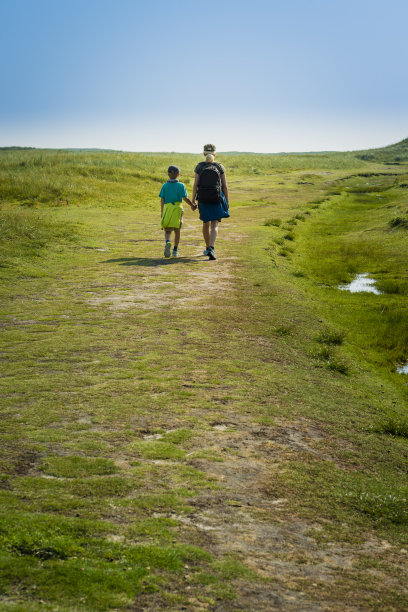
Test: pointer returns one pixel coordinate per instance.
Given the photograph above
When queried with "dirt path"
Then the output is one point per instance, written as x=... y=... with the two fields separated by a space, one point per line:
x=157 y=365
x=244 y=517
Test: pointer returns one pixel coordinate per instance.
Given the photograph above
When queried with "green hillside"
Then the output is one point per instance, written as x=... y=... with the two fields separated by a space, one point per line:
x=393 y=154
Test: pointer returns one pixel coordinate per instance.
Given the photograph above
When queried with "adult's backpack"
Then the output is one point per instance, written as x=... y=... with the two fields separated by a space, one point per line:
x=209 y=186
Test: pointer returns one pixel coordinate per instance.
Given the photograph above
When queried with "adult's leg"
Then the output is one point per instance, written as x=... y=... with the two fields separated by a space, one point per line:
x=206 y=233
x=213 y=233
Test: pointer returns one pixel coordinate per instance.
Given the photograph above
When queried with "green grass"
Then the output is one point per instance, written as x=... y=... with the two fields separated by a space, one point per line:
x=75 y=467
x=393 y=426
x=162 y=419
x=400 y=222
x=25 y=234
x=331 y=336
x=351 y=237
x=273 y=222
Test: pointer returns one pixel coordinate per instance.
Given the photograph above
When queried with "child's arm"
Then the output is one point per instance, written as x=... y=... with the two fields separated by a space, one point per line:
x=162 y=205
x=188 y=201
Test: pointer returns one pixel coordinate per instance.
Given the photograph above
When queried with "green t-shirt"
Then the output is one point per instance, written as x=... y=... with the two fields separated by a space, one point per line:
x=173 y=191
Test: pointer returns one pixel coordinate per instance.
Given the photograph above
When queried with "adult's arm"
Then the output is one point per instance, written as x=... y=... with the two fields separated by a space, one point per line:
x=195 y=187
x=224 y=187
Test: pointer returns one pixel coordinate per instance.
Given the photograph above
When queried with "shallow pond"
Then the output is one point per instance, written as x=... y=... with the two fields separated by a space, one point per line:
x=361 y=283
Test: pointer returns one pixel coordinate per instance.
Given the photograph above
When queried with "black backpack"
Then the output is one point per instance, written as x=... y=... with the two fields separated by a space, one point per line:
x=209 y=186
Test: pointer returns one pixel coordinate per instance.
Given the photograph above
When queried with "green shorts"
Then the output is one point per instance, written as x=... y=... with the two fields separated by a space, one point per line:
x=172 y=217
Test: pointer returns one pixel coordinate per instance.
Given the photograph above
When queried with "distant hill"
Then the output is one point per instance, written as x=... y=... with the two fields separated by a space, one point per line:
x=16 y=148
x=393 y=154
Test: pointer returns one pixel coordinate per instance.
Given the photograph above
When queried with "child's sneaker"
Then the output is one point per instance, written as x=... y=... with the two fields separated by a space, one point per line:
x=167 y=249
x=206 y=251
x=175 y=253
x=211 y=253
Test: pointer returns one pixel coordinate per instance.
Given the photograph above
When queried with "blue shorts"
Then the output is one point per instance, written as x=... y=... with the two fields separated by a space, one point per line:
x=214 y=212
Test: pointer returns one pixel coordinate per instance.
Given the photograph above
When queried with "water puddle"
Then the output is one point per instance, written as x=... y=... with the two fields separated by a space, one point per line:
x=402 y=369
x=362 y=283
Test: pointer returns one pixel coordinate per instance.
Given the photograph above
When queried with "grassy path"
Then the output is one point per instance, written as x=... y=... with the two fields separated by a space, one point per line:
x=169 y=441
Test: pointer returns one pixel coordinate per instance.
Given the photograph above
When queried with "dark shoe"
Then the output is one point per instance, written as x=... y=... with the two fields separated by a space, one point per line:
x=211 y=253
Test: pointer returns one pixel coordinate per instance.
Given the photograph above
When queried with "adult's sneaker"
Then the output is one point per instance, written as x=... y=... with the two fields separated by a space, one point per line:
x=211 y=253
x=167 y=249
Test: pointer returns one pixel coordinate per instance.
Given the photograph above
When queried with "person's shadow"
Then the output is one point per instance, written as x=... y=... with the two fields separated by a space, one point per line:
x=149 y=262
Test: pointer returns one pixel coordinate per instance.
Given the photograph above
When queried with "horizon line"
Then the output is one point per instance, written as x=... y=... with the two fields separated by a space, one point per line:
x=95 y=149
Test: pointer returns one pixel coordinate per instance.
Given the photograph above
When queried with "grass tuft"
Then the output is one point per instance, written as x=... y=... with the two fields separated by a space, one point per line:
x=331 y=362
x=398 y=222
x=281 y=330
x=273 y=222
x=331 y=336
x=76 y=467
x=157 y=449
x=380 y=506
x=393 y=426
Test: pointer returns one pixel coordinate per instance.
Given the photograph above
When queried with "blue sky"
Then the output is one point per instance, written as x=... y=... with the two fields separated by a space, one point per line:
x=267 y=76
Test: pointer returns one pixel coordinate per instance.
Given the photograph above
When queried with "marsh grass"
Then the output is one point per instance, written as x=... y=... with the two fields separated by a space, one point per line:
x=349 y=238
x=115 y=178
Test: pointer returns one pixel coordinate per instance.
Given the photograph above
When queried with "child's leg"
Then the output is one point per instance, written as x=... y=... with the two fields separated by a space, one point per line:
x=167 y=248
x=177 y=237
x=214 y=232
x=206 y=233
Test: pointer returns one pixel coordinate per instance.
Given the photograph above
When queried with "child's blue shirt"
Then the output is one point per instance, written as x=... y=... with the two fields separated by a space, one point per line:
x=173 y=191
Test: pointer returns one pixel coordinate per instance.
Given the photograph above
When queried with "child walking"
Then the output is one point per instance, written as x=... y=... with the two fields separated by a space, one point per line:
x=172 y=193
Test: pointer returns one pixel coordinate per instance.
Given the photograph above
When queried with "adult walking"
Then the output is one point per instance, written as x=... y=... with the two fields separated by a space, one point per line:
x=210 y=186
